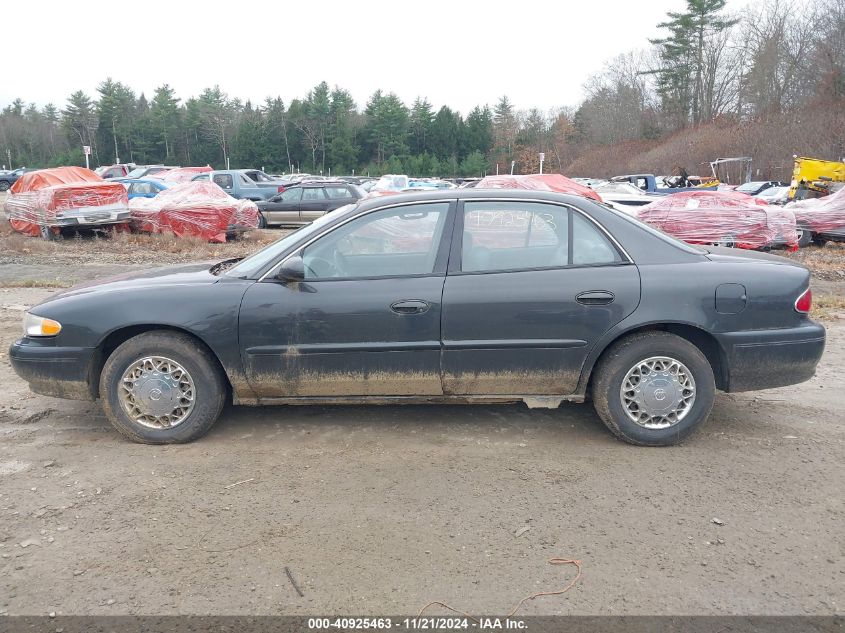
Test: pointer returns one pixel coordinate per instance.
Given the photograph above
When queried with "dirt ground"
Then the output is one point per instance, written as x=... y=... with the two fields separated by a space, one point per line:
x=380 y=510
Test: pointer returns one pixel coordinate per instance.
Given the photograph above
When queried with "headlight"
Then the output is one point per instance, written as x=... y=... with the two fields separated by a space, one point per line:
x=34 y=325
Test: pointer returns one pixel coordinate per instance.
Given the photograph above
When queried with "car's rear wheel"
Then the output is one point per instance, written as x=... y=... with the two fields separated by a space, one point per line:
x=162 y=388
x=653 y=389
x=262 y=221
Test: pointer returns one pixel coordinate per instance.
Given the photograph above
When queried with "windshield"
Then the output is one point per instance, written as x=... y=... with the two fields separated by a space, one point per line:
x=136 y=173
x=750 y=187
x=253 y=264
x=619 y=187
x=259 y=176
x=773 y=192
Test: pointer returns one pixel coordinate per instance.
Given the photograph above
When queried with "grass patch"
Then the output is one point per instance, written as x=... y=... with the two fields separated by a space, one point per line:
x=34 y=283
x=828 y=307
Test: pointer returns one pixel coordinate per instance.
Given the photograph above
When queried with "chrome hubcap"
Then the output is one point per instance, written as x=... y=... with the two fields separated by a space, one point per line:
x=157 y=392
x=658 y=392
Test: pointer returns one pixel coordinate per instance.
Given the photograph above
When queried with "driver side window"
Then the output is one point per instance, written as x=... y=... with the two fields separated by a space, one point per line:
x=395 y=242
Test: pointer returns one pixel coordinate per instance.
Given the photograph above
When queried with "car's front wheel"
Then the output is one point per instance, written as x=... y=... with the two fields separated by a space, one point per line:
x=805 y=237
x=653 y=389
x=162 y=388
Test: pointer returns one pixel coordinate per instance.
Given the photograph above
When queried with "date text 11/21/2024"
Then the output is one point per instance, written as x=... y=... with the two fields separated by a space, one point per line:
x=418 y=623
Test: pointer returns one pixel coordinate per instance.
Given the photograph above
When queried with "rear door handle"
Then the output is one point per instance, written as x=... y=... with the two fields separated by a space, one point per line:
x=410 y=306
x=595 y=298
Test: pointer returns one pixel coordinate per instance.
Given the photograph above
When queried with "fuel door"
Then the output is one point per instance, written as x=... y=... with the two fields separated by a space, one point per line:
x=731 y=298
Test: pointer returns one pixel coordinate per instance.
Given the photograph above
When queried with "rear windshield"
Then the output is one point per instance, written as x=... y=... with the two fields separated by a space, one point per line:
x=690 y=248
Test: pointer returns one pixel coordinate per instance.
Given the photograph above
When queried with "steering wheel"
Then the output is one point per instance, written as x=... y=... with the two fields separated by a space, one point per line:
x=326 y=268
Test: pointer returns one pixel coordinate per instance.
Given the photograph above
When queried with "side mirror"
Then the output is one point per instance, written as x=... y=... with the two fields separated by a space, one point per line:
x=292 y=270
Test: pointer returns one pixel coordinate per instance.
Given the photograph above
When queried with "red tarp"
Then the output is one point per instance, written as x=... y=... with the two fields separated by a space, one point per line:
x=821 y=214
x=713 y=217
x=180 y=174
x=37 y=196
x=200 y=209
x=538 y=182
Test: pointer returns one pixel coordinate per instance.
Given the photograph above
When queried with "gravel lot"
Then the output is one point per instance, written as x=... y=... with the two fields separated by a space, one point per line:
x=380 y=510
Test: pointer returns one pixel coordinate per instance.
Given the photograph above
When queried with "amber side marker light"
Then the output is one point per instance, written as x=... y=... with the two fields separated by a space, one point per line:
x=34 y=325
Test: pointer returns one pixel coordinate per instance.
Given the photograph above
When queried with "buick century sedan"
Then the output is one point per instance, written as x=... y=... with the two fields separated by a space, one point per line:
x=455 y=296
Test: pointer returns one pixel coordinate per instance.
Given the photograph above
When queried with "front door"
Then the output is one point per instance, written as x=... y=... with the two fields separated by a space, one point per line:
x=283 y=208
x=366 y=319
x=531 y=287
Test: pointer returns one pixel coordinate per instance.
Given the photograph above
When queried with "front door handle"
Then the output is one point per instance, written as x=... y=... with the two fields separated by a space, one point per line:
x=595 y=298
x=410 y=306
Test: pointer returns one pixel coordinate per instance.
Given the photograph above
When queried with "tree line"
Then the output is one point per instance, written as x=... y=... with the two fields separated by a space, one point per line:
x=777 y=59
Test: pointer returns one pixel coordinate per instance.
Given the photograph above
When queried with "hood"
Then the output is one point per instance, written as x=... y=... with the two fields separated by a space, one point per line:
x=184 y=274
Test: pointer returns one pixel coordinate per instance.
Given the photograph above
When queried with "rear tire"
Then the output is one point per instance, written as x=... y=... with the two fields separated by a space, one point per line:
x=162 y=367
x=262 y=221
x=640 y=353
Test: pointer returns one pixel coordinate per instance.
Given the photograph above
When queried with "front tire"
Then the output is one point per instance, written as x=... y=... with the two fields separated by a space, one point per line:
x=47 y=232
x=653 y=389
x=805 y=237
x=162 y=388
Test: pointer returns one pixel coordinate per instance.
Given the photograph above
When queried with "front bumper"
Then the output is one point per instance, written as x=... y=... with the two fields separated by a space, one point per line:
x=61 y=372
x=764 y=359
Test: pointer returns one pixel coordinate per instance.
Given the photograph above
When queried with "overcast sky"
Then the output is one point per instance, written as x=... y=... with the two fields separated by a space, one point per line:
x=456 y=53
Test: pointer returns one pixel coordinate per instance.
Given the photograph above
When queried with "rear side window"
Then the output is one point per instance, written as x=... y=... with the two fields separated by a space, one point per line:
x=313 y=193
x=501 y=236
x=589 y=245
x=335 y=193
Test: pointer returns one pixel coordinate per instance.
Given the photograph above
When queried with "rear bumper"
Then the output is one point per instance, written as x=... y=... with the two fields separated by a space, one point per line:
x=61 y=372
x=764 y=359
x=92 y=216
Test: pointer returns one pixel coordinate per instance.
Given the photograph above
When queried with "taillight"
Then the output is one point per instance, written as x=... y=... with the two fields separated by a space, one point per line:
x=280 y=189
x=804 y=303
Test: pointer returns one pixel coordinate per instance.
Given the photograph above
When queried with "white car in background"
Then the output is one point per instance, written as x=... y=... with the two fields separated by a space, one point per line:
x=625 y=197
x=774 y=195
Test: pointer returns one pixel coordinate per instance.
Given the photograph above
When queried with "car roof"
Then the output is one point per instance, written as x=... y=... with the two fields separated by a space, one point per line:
x=433 y=195
x=154 y=181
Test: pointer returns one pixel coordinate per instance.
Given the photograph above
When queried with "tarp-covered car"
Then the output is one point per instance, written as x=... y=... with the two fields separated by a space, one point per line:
x=722 y=217
x=822 y=218
x=43 y=202
x=539 y=182
x=200 y=209
x=180 y=174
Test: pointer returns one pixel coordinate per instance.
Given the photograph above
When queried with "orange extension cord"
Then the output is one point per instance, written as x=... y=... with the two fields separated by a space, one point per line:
x=552 y=561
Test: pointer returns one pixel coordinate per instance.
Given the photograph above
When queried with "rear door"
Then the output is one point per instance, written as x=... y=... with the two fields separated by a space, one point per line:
x=338 y=195
x=531 y=287
x=314 y=203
